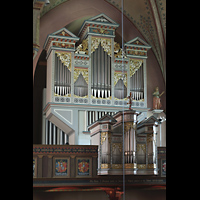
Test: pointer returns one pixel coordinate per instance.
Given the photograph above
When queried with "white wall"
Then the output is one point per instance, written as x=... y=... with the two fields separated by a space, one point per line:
x=83 y=138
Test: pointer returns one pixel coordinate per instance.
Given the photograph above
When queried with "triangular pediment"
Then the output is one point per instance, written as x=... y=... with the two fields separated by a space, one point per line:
x=150 y=120
x=102 y=18
x=64 y=32
x=107 y=118
x=138 y=41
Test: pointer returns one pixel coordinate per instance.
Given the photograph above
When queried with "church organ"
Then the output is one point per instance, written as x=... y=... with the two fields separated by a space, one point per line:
x=90 y=75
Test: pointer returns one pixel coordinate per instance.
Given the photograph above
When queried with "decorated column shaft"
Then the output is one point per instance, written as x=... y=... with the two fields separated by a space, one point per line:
x=130 y=142
x=105 y=150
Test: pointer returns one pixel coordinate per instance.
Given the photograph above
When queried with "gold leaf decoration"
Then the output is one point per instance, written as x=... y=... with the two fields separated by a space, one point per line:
x=135 y=64
x=105 y=43
x=119 y=75
x=65 y=58
x=78 y=71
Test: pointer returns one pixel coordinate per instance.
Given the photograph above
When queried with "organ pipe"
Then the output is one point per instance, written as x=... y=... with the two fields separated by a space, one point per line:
x=54 y=134
x=137 y=84
x=101 y=71
x=62 y=78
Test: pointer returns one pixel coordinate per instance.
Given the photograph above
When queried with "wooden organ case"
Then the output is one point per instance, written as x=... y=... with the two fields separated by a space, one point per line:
x=140 y=144
x=85 y=73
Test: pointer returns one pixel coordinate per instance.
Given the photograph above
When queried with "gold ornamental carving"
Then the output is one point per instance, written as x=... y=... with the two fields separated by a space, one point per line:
x=78 y=71
x=117 y=166
x=118 y=146
x=119 y=75
x=141 y=146
x=128 y=126
x=83 y=47
x=141 y=166
x=151 y=166
x=130 y=166
x=135 y=64
x=118 y=52
x=104 y=136
x=105 y=166
x=105 y=43
x=65 y=58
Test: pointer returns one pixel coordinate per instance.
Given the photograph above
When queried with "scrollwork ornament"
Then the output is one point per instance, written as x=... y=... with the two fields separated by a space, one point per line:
x=105 y=43
x=78 y=71
x=65 y=58
x=134 y=66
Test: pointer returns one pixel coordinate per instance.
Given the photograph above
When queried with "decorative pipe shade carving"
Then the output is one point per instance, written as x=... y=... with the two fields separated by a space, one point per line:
x=65 y=59
x=105 y=43
x=119 y=75
x=134 y=66
x=78 y=71
x=80 y=85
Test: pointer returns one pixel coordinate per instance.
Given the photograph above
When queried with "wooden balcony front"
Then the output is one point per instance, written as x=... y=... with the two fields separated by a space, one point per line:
x=65 y=161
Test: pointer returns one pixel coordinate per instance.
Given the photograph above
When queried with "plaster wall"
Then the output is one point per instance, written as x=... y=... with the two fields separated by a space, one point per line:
x=84 y=139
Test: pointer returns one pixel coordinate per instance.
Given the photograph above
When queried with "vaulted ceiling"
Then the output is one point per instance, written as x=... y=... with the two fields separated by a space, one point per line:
x=148 y=16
